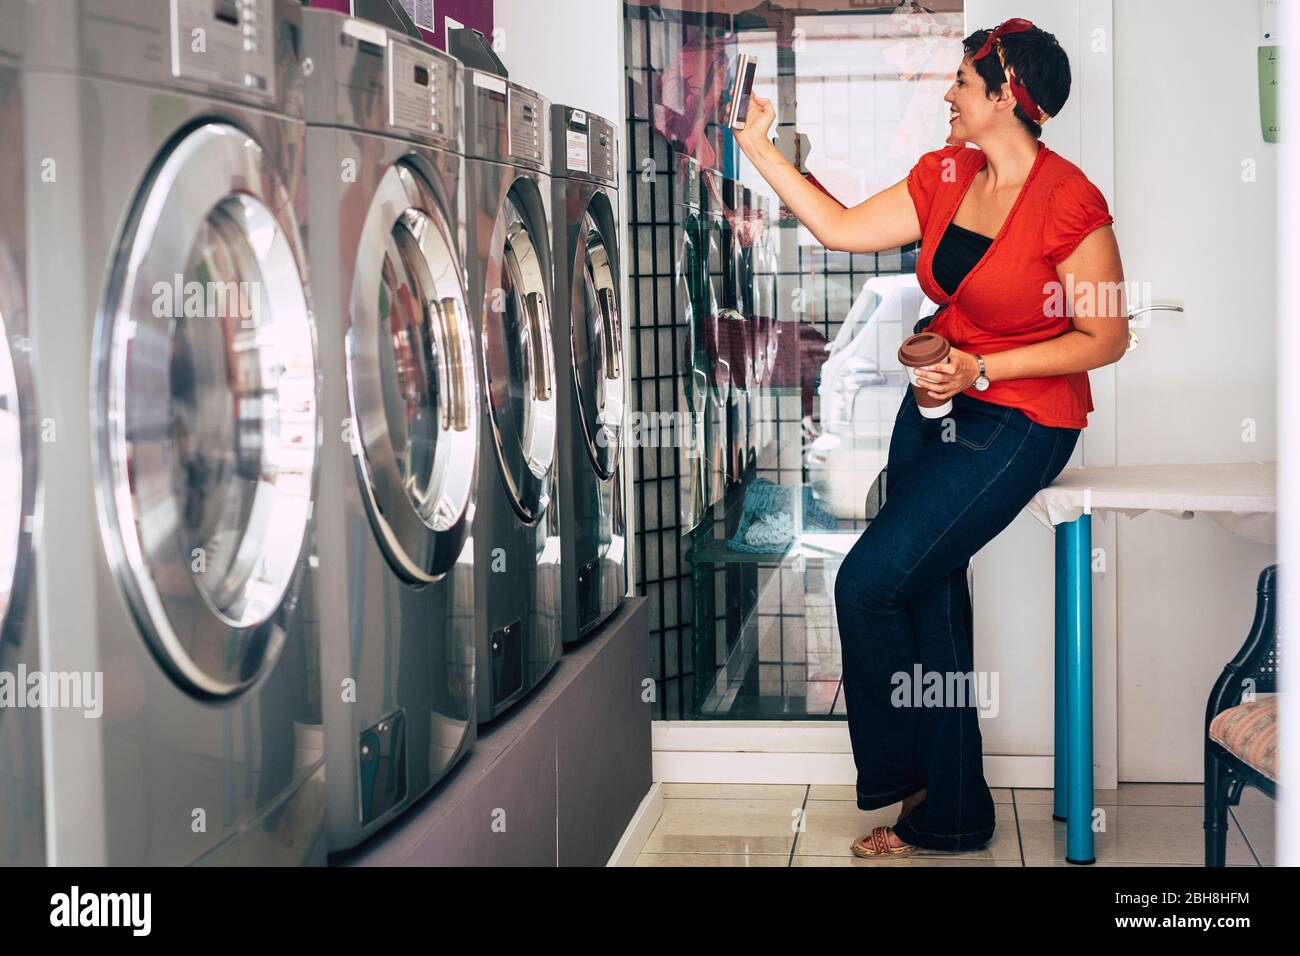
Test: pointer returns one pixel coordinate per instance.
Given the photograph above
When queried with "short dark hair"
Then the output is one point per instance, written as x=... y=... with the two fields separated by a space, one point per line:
x=1040 y=64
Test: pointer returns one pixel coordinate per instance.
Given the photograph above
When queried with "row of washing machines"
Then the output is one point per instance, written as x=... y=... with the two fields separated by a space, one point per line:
x=725 y=271
x=311 y=395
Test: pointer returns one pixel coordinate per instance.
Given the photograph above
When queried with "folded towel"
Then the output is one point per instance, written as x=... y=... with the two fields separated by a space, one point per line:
x=767 y=519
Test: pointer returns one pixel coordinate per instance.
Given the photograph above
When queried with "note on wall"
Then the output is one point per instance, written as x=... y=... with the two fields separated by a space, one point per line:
x=1269 y=75
x=421 y=11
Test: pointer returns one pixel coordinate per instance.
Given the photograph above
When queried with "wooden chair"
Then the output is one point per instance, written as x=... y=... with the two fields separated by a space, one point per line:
x=1241 y=737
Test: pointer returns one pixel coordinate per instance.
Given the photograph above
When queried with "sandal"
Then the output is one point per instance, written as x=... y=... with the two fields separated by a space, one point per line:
x=876 y=843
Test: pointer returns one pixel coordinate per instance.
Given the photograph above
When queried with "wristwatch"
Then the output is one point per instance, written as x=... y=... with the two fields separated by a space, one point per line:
x=982 y=381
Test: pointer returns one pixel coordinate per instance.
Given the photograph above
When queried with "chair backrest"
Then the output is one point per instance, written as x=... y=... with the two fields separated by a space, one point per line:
x=1257 y=663
x=1260 y=658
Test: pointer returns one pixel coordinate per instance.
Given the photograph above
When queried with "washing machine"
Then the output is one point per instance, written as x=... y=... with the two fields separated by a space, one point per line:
x=694 y=376
x=385 y=244
x=517 y=550
x=746 y=295
x=22 y=813
x=734 y=323
x=590 y=370
x=767 y=328
x=174 y=356
x=717 y=328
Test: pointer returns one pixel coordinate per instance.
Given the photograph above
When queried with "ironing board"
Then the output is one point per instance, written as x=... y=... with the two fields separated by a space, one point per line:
x=1240 y=496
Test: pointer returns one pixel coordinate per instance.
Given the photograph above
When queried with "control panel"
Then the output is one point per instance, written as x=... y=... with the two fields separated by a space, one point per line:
x=421 y=95
x=585 y=144
x=225 y=42
x=603 y=158
x=527 y=127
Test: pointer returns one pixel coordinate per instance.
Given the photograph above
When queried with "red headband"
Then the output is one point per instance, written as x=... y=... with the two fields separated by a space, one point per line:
x=994 y=42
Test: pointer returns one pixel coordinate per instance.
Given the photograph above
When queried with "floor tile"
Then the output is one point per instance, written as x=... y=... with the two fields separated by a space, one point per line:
x=1128 y=794
x=724 y=826
x=1256 y=814
x=831 y=826
x=916 y=860
x=712 y=859
x=792 y=793
x=1132 y=834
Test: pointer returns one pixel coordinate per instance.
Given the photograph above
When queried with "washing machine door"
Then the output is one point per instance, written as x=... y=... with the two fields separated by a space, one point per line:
x=688 y=273
x=206 y=415
x=518 y=361
x=16 y=478
x=411 y=382
x=765 y=301
x=710 y=318
x=597 y=342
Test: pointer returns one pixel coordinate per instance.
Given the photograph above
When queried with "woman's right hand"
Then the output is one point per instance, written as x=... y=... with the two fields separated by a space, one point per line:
x=758 y=120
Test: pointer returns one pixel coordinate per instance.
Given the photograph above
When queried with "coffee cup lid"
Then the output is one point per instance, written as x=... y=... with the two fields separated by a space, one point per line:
x=923 y=348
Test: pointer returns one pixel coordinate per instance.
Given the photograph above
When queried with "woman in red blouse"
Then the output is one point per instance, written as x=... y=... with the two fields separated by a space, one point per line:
x=1016 y=246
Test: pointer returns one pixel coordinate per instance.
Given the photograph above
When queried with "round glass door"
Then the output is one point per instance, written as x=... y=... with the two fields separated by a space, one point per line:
x=206 y=415
x=597 y=343
x=765 y=301
x=518 y=361
x=13 y=483
x=411 y=381
x=688 y=281
x=714 y=343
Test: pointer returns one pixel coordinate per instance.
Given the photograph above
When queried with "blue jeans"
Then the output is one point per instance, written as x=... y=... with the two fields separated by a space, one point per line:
x=902 y=602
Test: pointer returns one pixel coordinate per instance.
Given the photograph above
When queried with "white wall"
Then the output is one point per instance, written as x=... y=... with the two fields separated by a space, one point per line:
x=1175 y=598
x=568 y=50
x=571 y=51
x=1288 y=832
x=1014 y=575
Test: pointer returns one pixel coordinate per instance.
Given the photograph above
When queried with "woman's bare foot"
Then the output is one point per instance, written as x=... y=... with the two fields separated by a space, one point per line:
x=867 y=845
x=881 y=841
x=908 y=804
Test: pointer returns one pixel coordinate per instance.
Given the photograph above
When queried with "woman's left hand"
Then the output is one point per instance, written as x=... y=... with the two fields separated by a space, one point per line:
x=946 y=379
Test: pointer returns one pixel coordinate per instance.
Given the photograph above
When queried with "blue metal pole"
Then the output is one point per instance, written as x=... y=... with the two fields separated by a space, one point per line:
x=1060 y=767
x=730 y=154
x=1079 y=844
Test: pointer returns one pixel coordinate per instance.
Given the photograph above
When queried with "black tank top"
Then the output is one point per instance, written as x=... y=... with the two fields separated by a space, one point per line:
x=959 y=250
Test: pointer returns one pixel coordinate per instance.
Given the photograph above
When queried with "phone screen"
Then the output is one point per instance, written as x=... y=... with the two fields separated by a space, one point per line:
x=746 y=66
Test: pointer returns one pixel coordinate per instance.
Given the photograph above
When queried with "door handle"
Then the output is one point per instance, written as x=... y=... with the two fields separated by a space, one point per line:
x=1144 y=310
x=541 y=346
x=455 y=367
x=613 y=343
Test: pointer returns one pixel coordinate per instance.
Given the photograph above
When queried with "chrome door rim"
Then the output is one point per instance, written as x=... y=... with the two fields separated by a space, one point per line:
x=595 y=282
x=687 y=278
x=15 y=483
x=525 y=465
x=765 y=301
x=215 y=177
x=422 y=535
x=720 y=372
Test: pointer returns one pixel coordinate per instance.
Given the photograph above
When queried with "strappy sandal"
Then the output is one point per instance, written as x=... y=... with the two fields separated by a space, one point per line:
x=876 y=843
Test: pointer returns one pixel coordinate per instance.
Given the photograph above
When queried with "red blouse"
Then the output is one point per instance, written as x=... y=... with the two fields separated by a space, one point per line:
x=1005 y=300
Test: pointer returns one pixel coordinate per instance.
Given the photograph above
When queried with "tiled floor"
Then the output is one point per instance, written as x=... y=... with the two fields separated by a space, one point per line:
x=755 y=825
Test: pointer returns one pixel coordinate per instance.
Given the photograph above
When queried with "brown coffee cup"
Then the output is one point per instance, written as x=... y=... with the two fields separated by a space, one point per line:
x=925 y=348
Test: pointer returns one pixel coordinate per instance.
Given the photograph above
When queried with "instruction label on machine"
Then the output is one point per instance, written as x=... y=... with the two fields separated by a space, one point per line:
x=576 y=142
x=421 y=11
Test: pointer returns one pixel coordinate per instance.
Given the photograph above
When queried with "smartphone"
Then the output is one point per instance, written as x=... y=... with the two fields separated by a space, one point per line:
x=741 y=86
